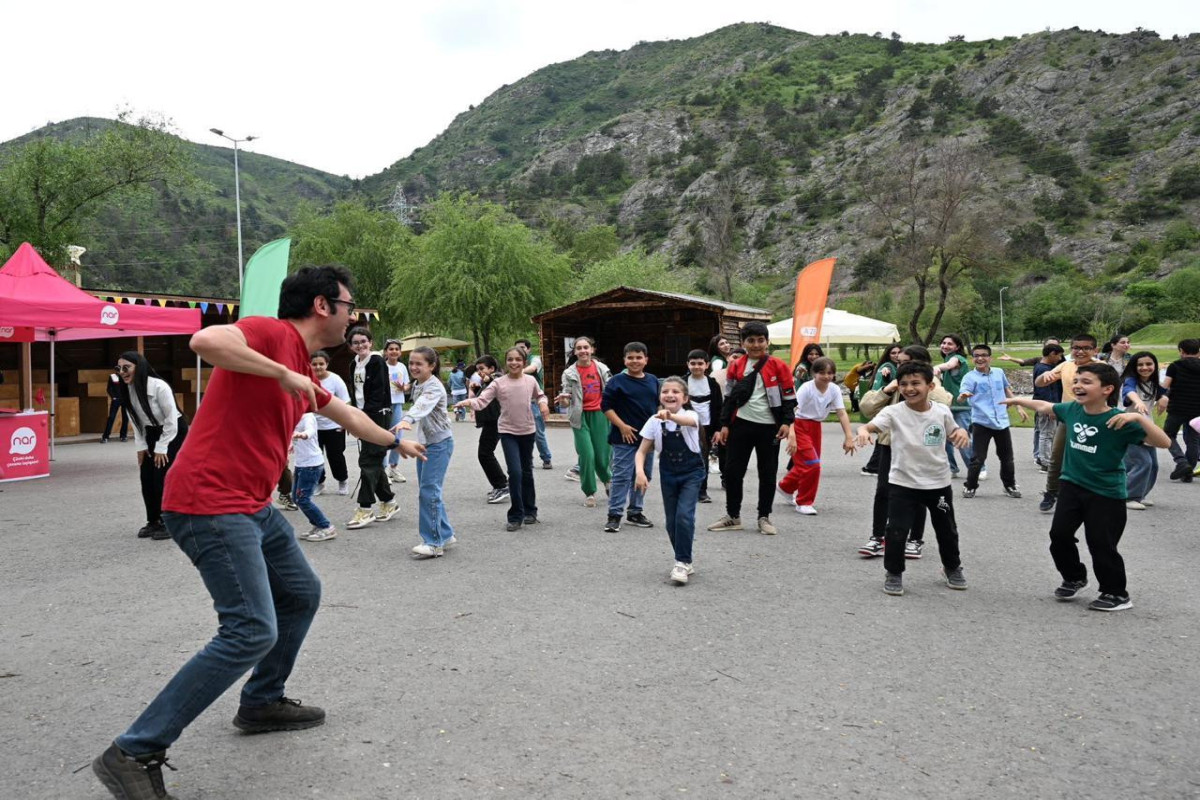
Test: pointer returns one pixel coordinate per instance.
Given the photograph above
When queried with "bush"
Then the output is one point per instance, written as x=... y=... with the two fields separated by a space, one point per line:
x=1028 y=241
x=1146 y=208
x=1111 y=141
x=1183 y=183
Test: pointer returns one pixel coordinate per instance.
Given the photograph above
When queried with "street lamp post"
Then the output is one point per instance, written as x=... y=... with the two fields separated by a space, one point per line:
x=237 y=192
x=1002 y=288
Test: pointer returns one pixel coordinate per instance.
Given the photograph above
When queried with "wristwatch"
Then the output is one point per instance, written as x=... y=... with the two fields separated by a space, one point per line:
x=394 y=444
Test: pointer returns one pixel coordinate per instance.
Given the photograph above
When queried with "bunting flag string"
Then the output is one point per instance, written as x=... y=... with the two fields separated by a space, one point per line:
x=203 y=307
x=220 y=308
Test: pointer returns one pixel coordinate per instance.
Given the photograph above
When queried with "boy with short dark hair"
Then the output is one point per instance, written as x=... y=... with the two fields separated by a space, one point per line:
x=757 y=414
x=704 y=395
x=1181 y=401
x=919 y=476
x=1045 y=427
x=630 y=398
x=1092 y=488
x=984 y=388
x=1083 y=352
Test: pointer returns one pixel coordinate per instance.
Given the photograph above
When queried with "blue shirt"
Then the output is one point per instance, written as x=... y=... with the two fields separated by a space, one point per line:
x=633 y=399
x=987 y=390
x=1051 y=393
x=458 y=382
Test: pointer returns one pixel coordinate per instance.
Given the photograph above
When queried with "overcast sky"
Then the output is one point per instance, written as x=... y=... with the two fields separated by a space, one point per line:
x=351 y=87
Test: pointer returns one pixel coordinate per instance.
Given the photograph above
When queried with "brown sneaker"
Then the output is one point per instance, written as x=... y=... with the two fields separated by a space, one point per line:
x=765 y=526
x=726 y=523
x=284 y=714
x=132 y=778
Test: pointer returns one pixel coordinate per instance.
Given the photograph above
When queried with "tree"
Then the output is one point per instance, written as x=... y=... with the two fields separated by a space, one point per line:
x=475 y=268
x=719 y=228
x=370 y=243
x=927 y=208
x=49 y=186
x=635 y=269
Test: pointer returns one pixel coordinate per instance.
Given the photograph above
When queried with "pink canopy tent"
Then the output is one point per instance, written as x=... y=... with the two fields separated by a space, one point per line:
x=39 y=305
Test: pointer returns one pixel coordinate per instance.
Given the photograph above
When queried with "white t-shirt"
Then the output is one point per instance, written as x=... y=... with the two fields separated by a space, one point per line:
x=918 y=444
x=397 y=372
x=360 y=379
x=653 y=429
x=307 y=451
x=698 y=387
x=333 y=384
x=811 y=403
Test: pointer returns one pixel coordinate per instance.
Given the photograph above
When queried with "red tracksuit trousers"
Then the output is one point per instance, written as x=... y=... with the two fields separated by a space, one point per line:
x=805 y=475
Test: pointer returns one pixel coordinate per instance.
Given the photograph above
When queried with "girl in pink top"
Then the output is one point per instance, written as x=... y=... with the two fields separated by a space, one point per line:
x=515 y=392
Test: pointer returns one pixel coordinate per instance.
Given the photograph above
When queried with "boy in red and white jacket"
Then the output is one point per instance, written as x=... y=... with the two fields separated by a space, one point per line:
x=759 y=408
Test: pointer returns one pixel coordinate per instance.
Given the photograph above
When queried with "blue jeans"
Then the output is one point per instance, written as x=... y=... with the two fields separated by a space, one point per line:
x=393 y=456
x=518 y=459
x=680 y=493
x=1141 y=470
x=962 y=418
x=543 y=447
x=265 y=594
x=303 y=483
x=432 y=523
x=623 y=474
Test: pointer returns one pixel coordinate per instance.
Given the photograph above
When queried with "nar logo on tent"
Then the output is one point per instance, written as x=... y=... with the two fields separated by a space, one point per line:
x=23 y=441
x=109 y=315
x=808 y=330
x=7 y=332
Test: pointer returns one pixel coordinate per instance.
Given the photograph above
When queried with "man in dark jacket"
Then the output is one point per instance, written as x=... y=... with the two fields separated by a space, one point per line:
x=1182 y=405
x=371 y=392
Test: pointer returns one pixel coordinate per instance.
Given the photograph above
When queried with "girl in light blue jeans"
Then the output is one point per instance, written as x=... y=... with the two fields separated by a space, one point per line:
x=432 y=422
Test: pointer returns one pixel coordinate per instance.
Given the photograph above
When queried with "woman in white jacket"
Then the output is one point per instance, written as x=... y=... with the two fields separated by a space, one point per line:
x=582 y=387
x=158 y=429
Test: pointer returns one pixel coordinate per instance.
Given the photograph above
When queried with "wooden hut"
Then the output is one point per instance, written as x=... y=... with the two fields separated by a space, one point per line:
x=669 y=324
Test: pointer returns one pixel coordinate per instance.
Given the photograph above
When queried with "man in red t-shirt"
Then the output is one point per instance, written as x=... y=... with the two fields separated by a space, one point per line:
x=217 y=507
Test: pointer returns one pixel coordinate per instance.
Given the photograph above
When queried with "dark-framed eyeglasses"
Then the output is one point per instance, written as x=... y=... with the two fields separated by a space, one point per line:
x=349 y=304
x=123 y=368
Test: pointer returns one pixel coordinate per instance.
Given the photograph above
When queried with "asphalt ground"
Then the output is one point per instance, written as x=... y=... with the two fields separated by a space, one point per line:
x=559 y=662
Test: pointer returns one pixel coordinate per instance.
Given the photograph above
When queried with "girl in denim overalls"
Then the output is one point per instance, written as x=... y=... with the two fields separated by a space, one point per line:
x=674 y=435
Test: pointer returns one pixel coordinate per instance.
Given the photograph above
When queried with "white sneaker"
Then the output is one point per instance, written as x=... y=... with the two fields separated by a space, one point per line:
x=386 y=511
x=453 y=540
x=808 y=511
x=321 y=534
x=983 y=474
x=318 y=490
x=361 y=519
x=395 y=475
x=680 y=572
x=589 y=501
x=1134 y=505
x=427 y=551
x=1147 y=503
x=343 y=488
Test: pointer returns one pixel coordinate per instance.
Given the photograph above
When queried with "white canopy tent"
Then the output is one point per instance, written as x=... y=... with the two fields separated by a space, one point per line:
x=840 y=327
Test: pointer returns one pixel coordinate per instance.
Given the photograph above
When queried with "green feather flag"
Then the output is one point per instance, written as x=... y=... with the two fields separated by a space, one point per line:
x=264 y=273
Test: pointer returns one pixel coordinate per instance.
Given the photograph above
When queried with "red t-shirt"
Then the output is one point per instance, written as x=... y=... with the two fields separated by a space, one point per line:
x=236 y=448
x=589 y=379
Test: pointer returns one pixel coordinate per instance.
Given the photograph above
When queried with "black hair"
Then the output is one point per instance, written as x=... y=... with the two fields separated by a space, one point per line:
x=808 y=350
x=737 y=351
x=755 y=328
x=1116 y=337
x=636 y=347
x=320 y=354
x=885 y=355
x=299 y=290
x=1131 y=370
x=958 y=342
x=713 y=350
x=429 y=356
x=1084 y=337
x=914 y=367
x=822 y=364
x=525 y=342
x=984 y=347
x=1190 y=347
x=1051 y=349
x=918 y=352
x=359 y=330
x=1106 y=374
x=142 y=373
x=487 y=361
x=697 y=354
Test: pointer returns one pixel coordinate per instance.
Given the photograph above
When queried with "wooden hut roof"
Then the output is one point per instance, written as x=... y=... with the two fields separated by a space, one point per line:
x=628 y=292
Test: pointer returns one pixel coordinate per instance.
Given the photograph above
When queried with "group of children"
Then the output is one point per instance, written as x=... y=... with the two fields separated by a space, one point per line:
x=623 y=422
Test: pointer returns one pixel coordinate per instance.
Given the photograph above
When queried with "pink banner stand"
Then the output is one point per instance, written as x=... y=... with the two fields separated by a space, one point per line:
x=24 y=445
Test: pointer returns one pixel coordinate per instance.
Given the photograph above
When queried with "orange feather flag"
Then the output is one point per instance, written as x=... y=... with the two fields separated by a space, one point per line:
x=812 y=290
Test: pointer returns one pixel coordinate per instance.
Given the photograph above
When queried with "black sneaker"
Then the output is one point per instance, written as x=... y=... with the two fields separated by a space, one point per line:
x=1048 y=501
x=146 y=531
x=873 y=547
x=512 y=526
x=639 y=521
x=704 y=498
x=1069 y=589
x=498 y=495
x=530 y=520
x=968 y=493
x=132 y=778
x=1181 y=473
x=547 y=465
x=893 y=584
x=1110 y=602
x=955 y=578
x=284 y=714
x=614 y=524
x=160 y=532
x=1013 y=491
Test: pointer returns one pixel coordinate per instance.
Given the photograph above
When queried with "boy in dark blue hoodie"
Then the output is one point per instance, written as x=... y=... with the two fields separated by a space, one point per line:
x=630 y=398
